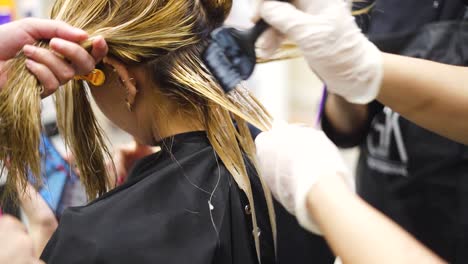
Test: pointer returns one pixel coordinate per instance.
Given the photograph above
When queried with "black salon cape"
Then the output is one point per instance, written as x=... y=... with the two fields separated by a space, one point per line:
x=162 y=214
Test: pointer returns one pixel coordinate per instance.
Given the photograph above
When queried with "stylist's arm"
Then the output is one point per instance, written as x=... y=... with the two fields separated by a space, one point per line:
x=307 y=175
x=57 y=65
x=432 y=95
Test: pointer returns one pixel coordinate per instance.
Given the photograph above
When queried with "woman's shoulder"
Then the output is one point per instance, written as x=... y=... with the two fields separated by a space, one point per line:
x=184 y=176
x=183 y=196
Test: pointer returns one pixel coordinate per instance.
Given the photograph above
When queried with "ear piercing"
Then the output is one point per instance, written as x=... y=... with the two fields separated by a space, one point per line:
x=127 y=91
x=129 y=105
x=124 y=81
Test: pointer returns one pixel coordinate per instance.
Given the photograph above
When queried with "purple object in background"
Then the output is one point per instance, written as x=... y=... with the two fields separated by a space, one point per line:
x=321 y=106
x=5 y=18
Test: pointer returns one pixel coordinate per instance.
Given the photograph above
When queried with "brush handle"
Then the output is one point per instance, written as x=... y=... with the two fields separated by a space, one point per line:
x=260 y=27
x=255 y=32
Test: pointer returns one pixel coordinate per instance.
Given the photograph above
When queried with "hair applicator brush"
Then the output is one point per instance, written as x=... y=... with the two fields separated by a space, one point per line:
x=230 y=56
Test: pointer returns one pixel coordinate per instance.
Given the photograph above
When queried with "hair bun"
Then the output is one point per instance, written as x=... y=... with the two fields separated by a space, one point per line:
x=217 y=10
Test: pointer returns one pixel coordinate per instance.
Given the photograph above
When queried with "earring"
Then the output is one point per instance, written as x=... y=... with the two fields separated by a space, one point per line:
x=124 y=81
x=129 y=106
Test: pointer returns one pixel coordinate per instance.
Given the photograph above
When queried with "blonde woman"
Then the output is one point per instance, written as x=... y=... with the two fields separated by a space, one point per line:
x=198 y=200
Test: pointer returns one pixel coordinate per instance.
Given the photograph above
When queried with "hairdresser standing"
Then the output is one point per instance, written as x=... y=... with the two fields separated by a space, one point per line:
x=413 y=176
x=52 y=68
x=308 y=176
x=432 y=95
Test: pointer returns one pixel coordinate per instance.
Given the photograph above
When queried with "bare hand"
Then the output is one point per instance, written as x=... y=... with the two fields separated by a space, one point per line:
x=54 y=67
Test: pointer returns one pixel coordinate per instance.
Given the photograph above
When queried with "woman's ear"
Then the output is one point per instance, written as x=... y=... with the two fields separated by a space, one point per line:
x=126 y=78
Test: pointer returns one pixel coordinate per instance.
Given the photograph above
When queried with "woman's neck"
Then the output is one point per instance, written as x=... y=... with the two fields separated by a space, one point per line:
x=176 y=123
x=165 y=115
x=171 y=120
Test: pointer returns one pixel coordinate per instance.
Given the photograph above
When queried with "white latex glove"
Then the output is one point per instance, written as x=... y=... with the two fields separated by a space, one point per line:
x=332 y=43
x=292 y=159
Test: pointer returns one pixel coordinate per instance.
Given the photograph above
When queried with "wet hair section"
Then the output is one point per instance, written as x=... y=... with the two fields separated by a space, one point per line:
x=166 y=36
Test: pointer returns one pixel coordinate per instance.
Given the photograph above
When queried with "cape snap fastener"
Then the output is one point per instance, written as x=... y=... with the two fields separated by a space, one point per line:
x=248 y=210
x=257 y=232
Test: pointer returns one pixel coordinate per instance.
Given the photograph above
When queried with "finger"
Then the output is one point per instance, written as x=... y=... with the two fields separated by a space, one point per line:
x=63 y=71
x=80 y=59
x=100 y=49
x=256 y=10
x=48 y=29
x=269 y=42
x=279 y=15
x=262 y=143
x=45 y=77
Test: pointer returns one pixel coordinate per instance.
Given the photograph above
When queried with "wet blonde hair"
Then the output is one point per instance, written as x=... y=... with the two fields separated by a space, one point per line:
x=168 y=36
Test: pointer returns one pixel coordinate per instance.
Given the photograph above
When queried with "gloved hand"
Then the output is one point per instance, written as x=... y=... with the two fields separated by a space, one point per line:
x=292 y=159
x=332 y=43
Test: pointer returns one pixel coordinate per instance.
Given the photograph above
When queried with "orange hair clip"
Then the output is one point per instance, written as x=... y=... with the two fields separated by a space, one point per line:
x=96 y=77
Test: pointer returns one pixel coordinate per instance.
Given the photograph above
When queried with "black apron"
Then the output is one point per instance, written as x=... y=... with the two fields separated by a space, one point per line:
x=415 y=177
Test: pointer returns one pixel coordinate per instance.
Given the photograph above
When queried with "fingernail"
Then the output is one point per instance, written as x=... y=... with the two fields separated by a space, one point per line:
x=29 y=64
x=98 y=39
x=80 y=32
x=101 y=42
x=56 y=43
x=28 y=50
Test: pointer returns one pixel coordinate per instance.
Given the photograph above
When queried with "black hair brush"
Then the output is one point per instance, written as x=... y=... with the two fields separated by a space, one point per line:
x=230 y=56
